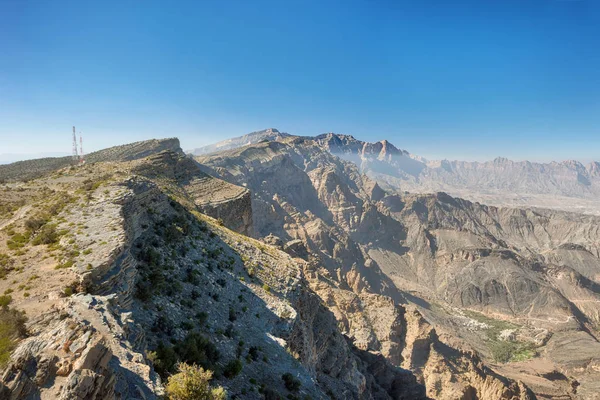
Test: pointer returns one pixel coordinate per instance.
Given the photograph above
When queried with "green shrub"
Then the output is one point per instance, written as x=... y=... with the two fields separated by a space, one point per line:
x=194 y=349
x=253 y=353
x=192 y=383
x=6 y=264
x=197 y=349
x=291 y=383
x=46 y=235
x=17 y=241
x=233 y=368
x=66 y=264
x=202 y=316
x=5 y=301
x=34 y=224
x=12 y=328
x=164 y=359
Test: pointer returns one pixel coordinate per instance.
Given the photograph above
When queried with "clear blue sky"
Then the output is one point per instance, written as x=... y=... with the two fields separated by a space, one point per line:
x=454 y=79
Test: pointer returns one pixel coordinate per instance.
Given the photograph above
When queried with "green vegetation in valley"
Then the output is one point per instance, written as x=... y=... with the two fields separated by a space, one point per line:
x=502 y=350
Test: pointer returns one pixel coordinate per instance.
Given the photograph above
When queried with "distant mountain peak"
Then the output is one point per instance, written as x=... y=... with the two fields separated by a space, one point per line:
x=268 y=134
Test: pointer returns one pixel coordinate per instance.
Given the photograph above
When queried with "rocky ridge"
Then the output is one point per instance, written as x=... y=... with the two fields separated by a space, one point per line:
x=136 y=266
x=31 y=169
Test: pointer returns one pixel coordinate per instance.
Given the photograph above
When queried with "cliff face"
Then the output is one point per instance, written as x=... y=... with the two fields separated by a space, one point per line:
x=140 y=277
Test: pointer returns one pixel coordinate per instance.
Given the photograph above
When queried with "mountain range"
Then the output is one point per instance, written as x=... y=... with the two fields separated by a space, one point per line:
x=295 y=267
x=568 y=185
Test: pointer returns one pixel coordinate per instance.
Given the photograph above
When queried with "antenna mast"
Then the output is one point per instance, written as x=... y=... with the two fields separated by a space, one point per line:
x=75 y=156
x=81 y=159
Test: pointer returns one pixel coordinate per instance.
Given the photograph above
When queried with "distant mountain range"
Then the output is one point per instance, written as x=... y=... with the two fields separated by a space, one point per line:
x=568 y=185
x=7 y=158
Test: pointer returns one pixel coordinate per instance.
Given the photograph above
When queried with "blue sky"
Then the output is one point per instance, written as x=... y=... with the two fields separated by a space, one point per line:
x=443 y=79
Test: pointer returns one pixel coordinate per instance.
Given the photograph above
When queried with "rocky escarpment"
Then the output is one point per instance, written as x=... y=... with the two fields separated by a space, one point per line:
x=147 y=277
x=230 y=204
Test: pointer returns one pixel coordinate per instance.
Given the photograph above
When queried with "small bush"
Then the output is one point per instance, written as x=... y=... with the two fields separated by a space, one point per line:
x=197 y=349
x=202 y=316
x=233 y=368
x=192 y=383
x=12 y=328
x=6 y=264
x=164 y=359
x=5 y=301
x=34 y=224
x=291 y=383
x=253 y=353
x=17 y=241
x=47 y=235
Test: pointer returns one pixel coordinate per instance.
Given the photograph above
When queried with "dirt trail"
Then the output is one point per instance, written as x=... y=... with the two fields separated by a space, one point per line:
x=19 y=214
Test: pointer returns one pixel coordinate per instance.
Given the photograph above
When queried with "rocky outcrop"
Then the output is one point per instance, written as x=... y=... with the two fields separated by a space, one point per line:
x=214 y=197
x=80 y=351
x=225 y=202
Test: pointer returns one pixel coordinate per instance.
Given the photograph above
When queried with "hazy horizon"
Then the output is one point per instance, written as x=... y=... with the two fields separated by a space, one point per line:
x=7 y=158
